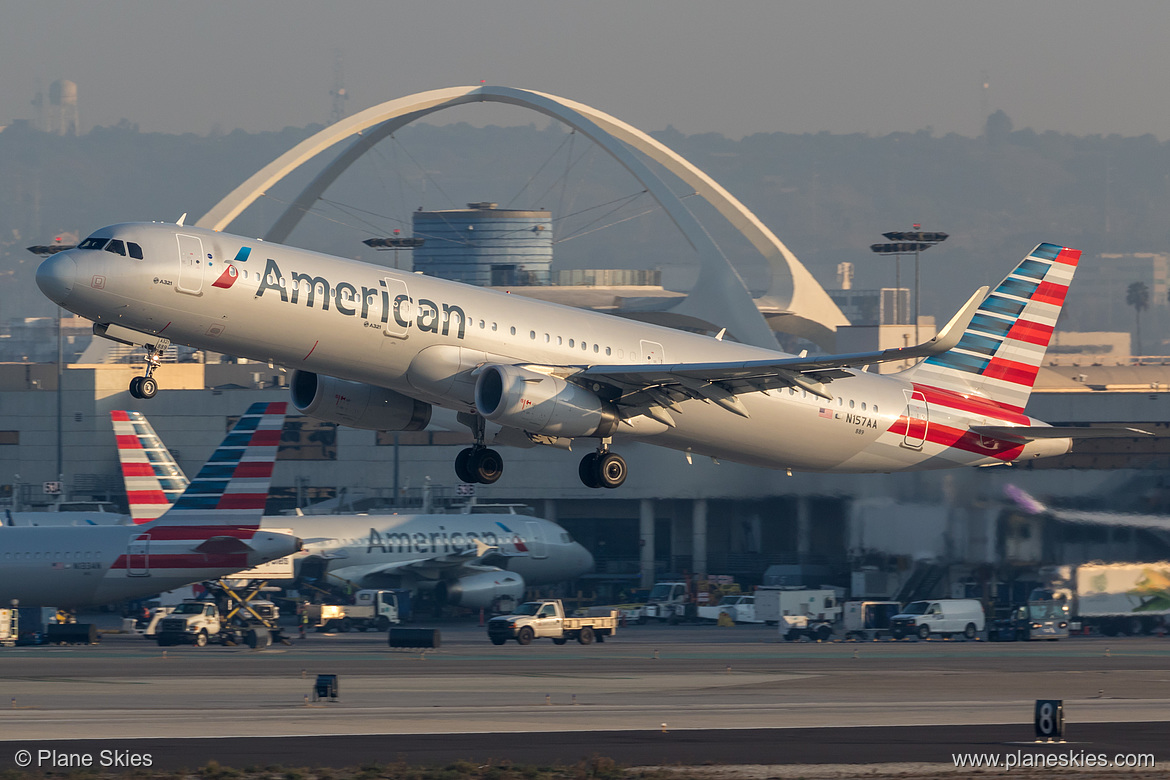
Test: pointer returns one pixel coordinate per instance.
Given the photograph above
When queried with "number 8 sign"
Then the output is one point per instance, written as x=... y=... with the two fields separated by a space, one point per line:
x=1049 y=719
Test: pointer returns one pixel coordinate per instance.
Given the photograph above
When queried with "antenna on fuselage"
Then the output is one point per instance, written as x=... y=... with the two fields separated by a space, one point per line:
x=182 y=219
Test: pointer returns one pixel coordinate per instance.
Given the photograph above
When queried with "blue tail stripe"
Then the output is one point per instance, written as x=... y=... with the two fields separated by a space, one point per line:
x=988 y=324
x=973 y=342
x=1017 y=287
x=1046 y=251
x=1003 y=305
x=959 y=361
x=1033 y=269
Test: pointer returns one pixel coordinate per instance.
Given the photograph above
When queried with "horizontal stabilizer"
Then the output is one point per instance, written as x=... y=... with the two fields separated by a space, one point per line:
x=1033 y=432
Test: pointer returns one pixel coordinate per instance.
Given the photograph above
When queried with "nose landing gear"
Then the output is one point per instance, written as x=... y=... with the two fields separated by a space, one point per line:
x=147 y=386
x=603 y=469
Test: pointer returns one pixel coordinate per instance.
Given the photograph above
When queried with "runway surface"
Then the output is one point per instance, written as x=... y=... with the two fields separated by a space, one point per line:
x=728 y=695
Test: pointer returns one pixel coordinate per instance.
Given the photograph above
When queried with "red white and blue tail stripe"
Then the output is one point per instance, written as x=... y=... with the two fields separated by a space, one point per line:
x=232 y=486
x=152 y=477
x=1002 y=349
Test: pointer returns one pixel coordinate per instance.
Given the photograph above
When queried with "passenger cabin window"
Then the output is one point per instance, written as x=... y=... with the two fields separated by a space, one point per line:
x=117 y=247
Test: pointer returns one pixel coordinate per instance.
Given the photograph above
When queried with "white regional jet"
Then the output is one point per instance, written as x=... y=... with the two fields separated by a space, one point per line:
x=376 y=348
x=212 y=531
x=468 y=560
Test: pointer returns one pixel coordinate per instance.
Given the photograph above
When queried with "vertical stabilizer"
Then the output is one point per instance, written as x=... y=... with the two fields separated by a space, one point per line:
x=1002 y=349
x=152 y=478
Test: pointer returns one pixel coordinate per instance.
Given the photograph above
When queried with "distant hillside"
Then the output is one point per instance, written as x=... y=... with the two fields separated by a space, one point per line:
x=826 y=196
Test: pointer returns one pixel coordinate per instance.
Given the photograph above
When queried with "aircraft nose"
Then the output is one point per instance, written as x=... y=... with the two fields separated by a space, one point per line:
x=585 y=559
x=55 y=277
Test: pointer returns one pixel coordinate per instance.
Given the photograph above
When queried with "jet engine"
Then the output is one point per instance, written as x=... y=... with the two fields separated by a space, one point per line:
x=484 y=589
x=538 y=403
x=357 y=404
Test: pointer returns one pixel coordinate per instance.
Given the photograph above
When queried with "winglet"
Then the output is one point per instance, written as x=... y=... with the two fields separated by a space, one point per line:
x=952 y=332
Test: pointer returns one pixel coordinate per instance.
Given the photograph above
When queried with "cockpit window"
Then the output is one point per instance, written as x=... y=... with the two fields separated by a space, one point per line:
x=93 y=242
x=135 y=250
x=117 y=247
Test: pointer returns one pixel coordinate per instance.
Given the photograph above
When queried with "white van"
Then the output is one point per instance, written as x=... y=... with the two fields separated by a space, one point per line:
x=941 y=617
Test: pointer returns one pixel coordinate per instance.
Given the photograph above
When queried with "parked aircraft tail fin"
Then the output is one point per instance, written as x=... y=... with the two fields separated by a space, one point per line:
x=232 y=487
x=152 y=478
x=1003 y=347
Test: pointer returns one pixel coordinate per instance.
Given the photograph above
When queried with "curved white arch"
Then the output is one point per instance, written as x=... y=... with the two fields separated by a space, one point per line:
x=808 y=309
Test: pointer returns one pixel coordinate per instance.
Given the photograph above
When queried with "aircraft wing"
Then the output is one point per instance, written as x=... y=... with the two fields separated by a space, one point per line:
x=429 y=568
x=650 y=389
x=1023 y=433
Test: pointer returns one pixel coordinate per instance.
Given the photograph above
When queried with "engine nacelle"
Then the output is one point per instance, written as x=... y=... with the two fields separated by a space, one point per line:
x=482 y=590
x=357 y=404
x=538 y=403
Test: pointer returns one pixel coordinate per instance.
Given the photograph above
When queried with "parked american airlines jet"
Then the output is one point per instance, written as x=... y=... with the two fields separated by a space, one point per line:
x=212 y=531
x=468 y=560
x=376 y=348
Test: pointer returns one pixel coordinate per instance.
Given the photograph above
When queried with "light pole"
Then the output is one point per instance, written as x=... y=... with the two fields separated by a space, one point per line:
x=913 y=242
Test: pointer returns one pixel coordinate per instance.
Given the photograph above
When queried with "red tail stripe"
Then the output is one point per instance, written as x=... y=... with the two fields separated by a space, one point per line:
x=242 y=501
x=119 y=416
x=253 y=469
x=128 y=442
x=1011 y=371
x=965 y=440
x=137 y=470
x=146 y=497
x=1031 y=332
x=265 y=439
x=1068 y=256
x=1048 y=292
x=951 y=400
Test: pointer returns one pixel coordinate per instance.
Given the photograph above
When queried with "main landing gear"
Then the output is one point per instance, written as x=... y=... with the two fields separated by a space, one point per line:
x=477 y=463
x=603 y=469
x=146 y=386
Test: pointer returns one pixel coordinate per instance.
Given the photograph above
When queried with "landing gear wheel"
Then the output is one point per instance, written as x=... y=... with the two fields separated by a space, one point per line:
x=587 y=471
x=487 y=466
x=463 y=466
x=136 y=387
x=611 y=470
x=147 y=387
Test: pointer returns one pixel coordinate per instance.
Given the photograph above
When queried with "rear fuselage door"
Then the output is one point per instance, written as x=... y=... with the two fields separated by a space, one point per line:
x=138 y=557
x=917 y=419
x=191 y=264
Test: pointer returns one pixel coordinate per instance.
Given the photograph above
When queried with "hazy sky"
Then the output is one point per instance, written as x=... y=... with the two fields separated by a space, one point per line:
x=732 y=67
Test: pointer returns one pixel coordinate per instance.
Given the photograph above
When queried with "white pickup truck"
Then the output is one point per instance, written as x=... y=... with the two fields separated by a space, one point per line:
x=546 y=618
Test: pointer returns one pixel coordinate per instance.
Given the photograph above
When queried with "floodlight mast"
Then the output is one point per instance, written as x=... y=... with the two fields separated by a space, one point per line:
x=913 y=242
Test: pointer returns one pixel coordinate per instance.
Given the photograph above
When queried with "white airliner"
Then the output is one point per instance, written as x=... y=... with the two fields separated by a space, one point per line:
x=376 y=348
x=212 y=531
x=468 y=560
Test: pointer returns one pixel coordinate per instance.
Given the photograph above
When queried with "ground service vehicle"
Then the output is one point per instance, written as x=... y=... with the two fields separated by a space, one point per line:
x=1121 y=598
x=372 y=610
x=668 y=601
x=199 y=622
x=546 y=618
x=1041 y=618
x=741 y=608
x=940 y=617
x=799 y=612
x=868 y=619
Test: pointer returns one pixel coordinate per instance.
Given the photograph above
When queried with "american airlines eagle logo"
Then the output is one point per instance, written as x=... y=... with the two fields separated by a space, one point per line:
x=227 y=278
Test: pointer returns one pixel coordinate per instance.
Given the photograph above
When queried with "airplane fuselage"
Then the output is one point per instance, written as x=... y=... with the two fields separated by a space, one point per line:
x=423 y=337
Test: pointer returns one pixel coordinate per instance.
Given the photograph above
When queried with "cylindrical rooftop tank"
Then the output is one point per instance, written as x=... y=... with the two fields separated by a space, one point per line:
x=485 y=245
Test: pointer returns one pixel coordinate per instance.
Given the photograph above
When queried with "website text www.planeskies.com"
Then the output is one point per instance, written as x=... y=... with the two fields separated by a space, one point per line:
x=1067 y=759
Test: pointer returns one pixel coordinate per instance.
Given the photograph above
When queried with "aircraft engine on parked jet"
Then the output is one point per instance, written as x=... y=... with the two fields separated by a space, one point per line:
x=357 y=404
x=485 y=589
x=538 y=403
